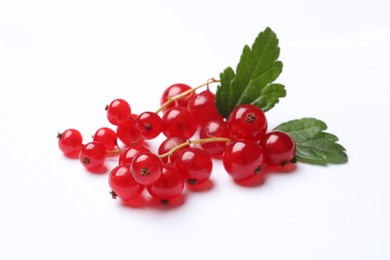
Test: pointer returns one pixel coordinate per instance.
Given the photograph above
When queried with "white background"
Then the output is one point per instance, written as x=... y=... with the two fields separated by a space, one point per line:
x=61 y=62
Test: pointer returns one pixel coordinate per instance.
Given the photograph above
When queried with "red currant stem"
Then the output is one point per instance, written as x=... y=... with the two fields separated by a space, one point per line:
x=197 y=141
x=114 y=152
x=185 y=93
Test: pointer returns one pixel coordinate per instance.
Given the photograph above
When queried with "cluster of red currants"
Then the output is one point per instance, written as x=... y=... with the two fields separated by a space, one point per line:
x=241 y=141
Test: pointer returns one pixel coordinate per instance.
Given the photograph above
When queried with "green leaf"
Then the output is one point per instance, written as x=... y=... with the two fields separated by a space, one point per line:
x=252 y=83
x=222 y=102
x=313 y=144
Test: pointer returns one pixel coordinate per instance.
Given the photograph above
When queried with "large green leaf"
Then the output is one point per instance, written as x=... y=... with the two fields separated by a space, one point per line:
x=313 y=144
x=252 y=83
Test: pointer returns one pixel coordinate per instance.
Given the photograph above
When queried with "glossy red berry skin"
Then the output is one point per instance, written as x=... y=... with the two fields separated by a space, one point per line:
x=214 y=128
x=195 y=165
x=93 y=155
x=175 y=90
x=70 y=142
x=279 y=148
x=127 y=156
x=107 y=137
x=118 y=111
x=129 y=134
x=243 y=159
x=202 y=105
x=247 y=122
x=149 y=124
x=123 y=184
x=146 y=168
x=179 y=122
x=169 y=185
x=167 y=145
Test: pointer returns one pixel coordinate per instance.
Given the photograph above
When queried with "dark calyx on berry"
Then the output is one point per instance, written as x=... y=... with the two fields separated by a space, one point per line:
x=250 y=118
x=86 y=160
x=145 y=171
x=192 y=181
x=113 y=195
x=258 y=169
x=148 y=126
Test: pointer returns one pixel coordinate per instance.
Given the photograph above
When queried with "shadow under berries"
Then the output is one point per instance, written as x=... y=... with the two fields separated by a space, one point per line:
x=201 y=187
x=279 y=169
x=143 y=202
x=136 y=203
x=165 y=205
x=254 y=181
x=99 y=170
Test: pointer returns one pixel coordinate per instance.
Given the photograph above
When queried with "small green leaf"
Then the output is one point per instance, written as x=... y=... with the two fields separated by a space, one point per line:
x=313 y=144
x=257 y=69
x=270 y=95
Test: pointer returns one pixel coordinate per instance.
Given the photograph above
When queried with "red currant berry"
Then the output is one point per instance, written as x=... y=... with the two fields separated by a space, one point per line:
x=122 y=183
x=146 y=168
x=179 y=122
x=129 y=153
x=175 y=90
x=149 y=124
x=93 y=155
x=128 y=133
x=118 y=111
x=214 y=128
x=279 y=148
x=195 y=165
x=243 y=159
x=169 y=185
x=107 y=137
x=133 y=117
x=202 y=105
x=70 y=142
x=167 y=145
x=247 y=122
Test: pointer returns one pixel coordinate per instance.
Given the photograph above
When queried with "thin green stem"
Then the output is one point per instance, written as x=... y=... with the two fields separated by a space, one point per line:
x=114 y=152
x=197 y=141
